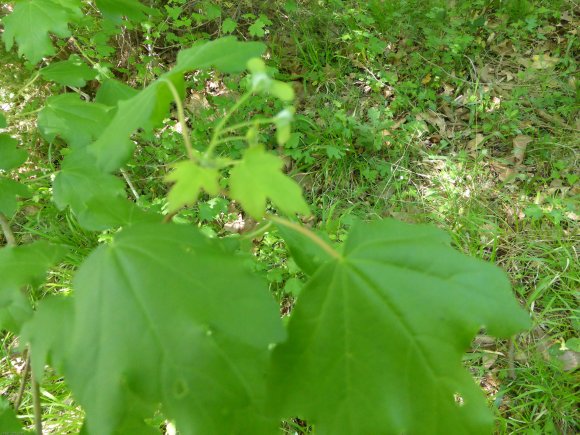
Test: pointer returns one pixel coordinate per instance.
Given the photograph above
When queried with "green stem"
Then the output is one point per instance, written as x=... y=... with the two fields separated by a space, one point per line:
x=229 y=139
x=28 y=84
x=37 y=406
x=8 y=234
x=306 y=232
x=181 y=117
x=259 y=230
x=248 y=124
x=220 y=127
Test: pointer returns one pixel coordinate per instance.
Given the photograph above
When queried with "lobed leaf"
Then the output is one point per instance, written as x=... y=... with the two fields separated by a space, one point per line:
x=19 y=266
x=79 y=181
x=45 y=17
x=190 y=178
x=10 y=190
x=74 y=120
x=169 y=326
x=10 y=156
x=257 y=177
x=71 y=72
x=148 y=108
x=376 y=338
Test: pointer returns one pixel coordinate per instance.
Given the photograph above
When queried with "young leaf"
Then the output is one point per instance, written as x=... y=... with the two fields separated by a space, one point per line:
x=31 y=22
x=377 y=338
x=178 y=321
x=10 y=156
x=189 y=179
x=150 y=106
x=71 y=72
x=9 y=191
x=19 y=266
x=229 y=25
x=259 y=176
x=76 y=121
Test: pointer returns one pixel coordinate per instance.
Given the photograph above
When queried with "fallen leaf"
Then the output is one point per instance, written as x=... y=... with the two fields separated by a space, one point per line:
x=544 y=61
x=520 y=143
x=570 y=360
x=476 y=141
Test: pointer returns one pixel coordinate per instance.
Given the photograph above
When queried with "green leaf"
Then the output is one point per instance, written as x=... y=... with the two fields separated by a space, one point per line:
x=377 y=337
x=48 y=338
x=31 y=23
x=9 y=191
x=2 y=121
x=259 y=176
x=283 y=121
x=113 y=91
x=227 y=54
x=172 y=328
x=229 y=25
x=104 y=212
x=257 y=29
x=132 y=9
x=76 y=121
x=149 y=107
x=308 y=255
x=19 y=266
x=71 y=72
x=211 y=10
x=146 y=109
x=189 y=179
x=8 y=420
x=79 y=181
x=10 y=156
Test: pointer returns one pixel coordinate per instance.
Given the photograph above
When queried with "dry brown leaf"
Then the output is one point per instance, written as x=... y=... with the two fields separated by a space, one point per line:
x=474 y=143
x=544 y=61
x=570 y=360
x=520 y=143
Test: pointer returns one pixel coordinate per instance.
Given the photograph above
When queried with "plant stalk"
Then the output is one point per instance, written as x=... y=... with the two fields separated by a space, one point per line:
x=306 y=232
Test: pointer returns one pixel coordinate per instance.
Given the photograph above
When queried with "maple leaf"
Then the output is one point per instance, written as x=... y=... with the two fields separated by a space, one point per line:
x=257 y=177
x=376 y=338
x=45 y=17
x=190 y=178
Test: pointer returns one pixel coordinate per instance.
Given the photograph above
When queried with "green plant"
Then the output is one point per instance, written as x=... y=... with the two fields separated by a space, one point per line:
x=165 y=319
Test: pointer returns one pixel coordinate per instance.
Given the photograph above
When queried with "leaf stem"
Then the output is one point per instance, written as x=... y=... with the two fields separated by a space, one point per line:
x=8 y=234
x=248 y=124
x=37 y=405
x=220 y=127
x=181 y=117
x=306 y=232
x=22 y=387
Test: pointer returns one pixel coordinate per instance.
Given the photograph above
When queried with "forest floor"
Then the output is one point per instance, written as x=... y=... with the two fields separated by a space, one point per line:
x=467 y=118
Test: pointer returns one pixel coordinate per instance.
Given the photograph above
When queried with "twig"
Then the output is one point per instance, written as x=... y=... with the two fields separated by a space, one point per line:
x=8 y=234
x=130 y=184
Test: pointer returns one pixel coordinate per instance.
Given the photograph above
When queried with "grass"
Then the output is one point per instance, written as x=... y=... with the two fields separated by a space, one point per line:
x=409 y=113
